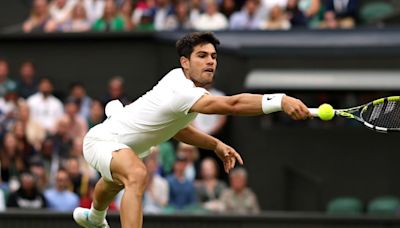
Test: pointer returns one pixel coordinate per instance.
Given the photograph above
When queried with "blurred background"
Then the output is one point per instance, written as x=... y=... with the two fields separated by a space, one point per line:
x=61 y=61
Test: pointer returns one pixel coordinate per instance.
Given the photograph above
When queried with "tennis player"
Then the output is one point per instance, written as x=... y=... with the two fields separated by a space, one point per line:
x=116 y=146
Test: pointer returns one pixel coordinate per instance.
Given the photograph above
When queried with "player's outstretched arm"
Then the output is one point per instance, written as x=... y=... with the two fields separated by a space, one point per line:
x=251 y=104
x=227 y=154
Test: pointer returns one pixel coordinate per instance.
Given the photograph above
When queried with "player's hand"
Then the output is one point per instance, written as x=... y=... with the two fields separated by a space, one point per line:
x=295 y=108
x=228 y=155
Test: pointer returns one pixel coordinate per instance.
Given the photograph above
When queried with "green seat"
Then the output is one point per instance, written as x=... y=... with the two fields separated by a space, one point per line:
x=345 y=206
x=384 y=205
x=372 y=12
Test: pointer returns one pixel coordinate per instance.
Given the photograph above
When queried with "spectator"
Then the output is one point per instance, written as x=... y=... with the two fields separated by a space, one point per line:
x=340 y=14
x=77 y=126
x=196 y=9
x=116 y=91
x=191 y=154
x=181 y=190
x=35 y=133
x=60 y=198
x=238 y=198
x=296 y=17
x=49 y=158
x=6 y=84
x=141 y=7
x=163 y=9
x=211 y=19
x=209 y=188
x=27 y=83
x=229 y=7
x=110 y=21
x=80 y=181
x=246 y=19
x=267 y=5
x=94 y=9
x=45 y=108
x=25 y=149
x=77 y=22
x=97 y=114
x=62 y=140
x=8 y=110
x=28 y=196
x=60 y=10
x=126 y=12
x=77 y=91
x=276 y=20
x=12 y=163
x=311 y=10
x=38 y=170
x=39 y=17
x=211 y=124
x=155 y=197
x=180 y=20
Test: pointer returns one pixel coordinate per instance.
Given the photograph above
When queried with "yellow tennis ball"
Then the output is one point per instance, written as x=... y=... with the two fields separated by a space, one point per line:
x=326 y=112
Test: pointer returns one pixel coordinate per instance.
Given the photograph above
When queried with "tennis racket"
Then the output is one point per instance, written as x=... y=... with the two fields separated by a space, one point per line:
x=382 y=115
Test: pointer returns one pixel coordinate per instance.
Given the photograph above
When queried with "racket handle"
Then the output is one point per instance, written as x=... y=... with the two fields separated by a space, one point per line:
x=314 y=112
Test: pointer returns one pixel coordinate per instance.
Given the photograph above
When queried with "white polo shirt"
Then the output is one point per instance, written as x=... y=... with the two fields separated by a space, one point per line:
x=156 y=116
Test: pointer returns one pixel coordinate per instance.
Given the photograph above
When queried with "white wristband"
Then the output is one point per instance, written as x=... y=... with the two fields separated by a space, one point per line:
x=272 y=102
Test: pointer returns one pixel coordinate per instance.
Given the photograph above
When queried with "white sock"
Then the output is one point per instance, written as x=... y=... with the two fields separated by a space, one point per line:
x=96 y=216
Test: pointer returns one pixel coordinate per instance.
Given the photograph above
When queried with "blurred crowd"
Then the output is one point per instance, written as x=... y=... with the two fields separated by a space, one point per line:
x=42 y=166
x=174 y=15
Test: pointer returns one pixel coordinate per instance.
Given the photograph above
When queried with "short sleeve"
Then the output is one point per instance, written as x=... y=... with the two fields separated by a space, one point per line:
x=184 y=99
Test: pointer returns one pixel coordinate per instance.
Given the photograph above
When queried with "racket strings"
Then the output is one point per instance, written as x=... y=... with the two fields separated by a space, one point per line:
x=386 y=114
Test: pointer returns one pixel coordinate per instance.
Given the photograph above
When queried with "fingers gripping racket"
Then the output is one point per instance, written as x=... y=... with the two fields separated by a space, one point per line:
x=382 y=115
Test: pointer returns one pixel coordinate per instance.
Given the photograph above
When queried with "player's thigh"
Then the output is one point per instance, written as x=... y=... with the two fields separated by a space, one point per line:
x=126 y=168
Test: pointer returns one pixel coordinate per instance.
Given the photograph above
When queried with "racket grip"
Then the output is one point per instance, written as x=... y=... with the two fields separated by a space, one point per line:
x=314 y=112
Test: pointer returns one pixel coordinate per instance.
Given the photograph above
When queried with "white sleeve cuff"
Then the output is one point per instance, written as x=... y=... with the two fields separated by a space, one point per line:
x=272 y=102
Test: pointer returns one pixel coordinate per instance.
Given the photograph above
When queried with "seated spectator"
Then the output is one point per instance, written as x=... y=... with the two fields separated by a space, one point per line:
x=77 y=126
x=296 y=17
x=141 y=7
x=27 y=83
x=38 y=170
x=62 y=140
x=45 y=108
x=59 y=198
x=311 y=10
x=209 y=188
x=211 y=19
x=164 y=8
x=39 y=17
x=110 y=21
x=28 y=196
x=35 y=133
x=6 y=83
x=26 y=149
x=77 y=91
x=116 y=91
x=196 y=8
x=60 y=10
x=180 y=20
x=80 y=181
x=229 y=7
x=191 y=154
x=182 y=194
x=8 y=110
x=126 y=12
x=276 y=20
x=12 y=163
x=238 y=198
x=77 y=22
x=94 y=9
x=155 y=197
x=96 y=114
x=248 y=18
x=340 y=14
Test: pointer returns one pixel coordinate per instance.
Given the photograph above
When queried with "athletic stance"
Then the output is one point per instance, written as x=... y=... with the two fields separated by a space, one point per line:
x=116 y=146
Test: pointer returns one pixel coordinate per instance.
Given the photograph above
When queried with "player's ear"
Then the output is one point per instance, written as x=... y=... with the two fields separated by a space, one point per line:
x=184 y=62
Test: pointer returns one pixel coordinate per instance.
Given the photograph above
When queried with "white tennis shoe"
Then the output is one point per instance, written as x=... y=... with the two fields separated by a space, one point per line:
x=81 y=216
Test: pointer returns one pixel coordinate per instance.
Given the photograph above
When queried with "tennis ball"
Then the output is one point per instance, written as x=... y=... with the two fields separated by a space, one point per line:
x=326 y=112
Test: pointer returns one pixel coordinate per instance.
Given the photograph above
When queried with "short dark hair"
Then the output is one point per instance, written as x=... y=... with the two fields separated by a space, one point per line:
x=186 y=44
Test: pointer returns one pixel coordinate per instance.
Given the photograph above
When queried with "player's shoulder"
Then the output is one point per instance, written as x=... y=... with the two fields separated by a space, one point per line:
x=175 y=79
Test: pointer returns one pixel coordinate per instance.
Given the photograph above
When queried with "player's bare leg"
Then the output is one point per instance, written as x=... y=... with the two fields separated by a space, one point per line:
x=104 y=193
x=129 y=170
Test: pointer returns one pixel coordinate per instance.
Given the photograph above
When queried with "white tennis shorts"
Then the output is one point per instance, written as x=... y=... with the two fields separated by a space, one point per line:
x=98 y=146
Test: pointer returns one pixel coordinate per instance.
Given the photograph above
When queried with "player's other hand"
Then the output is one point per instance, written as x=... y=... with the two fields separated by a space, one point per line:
x=228 y=155
x=295 y=108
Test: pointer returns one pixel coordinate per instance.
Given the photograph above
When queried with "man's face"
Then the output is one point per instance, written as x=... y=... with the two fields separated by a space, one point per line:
x=201 y=65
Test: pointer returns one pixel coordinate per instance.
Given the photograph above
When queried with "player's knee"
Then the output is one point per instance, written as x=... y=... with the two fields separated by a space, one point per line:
x=137 y=178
